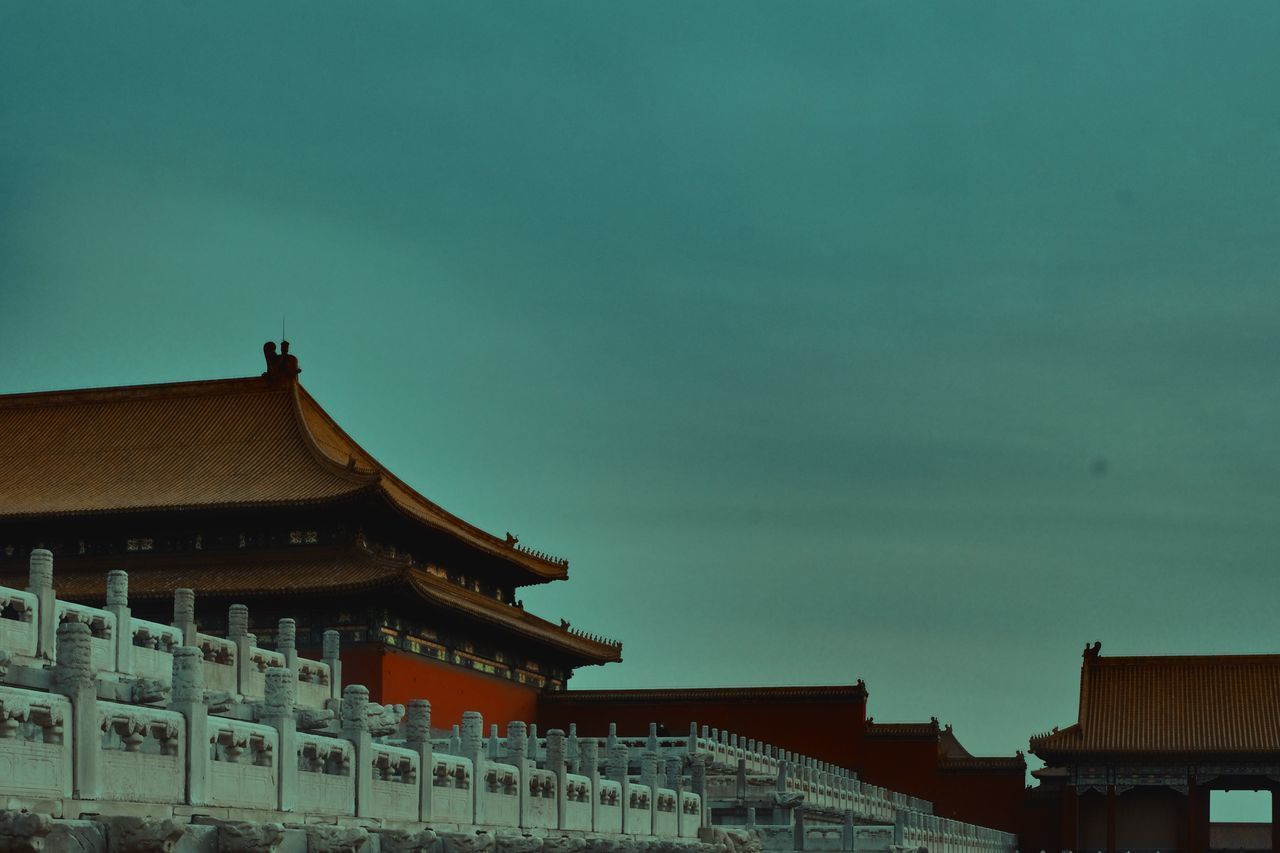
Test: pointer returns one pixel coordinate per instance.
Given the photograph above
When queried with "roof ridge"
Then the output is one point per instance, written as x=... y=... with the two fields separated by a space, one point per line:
x=1142 y=660
x=389 y=483
x=104 y=393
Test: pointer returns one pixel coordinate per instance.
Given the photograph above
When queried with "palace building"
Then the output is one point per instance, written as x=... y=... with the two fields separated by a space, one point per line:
x=1153 y=737
x=247 y=491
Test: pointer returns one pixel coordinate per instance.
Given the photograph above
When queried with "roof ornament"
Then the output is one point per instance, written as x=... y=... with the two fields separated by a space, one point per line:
x=512 y=540
x=1091 y=653
x=281 y=364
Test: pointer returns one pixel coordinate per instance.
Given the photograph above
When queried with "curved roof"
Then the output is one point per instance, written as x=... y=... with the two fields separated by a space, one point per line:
x=1172 y=705
x=259 y=441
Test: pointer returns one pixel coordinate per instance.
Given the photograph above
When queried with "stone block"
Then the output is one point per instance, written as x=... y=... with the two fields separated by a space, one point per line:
x=409 y=841
x=563 y=844
x=517 y=844
x=331 y=838
x=467 y=842
x=23 y=831
x=131 y=834
x=245 y=837
x=76 y=836
x=197 y=839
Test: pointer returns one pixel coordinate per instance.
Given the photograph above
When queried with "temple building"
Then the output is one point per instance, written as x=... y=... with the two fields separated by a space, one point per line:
x=247 y=491
x=1153 y=737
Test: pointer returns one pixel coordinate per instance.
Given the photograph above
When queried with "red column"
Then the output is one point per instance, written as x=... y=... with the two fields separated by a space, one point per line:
x=1275 y=818
x=1070 y=800
x=1111 y=819
x=1193 y=816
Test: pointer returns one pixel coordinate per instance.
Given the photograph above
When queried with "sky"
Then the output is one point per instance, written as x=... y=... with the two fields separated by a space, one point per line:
x=915 y=342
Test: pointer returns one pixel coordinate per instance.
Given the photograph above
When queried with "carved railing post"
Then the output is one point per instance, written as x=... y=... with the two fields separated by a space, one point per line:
x=238 y=633
x=675 y=781
x=556 y=758
x=73 y=678
x=355 y=728
x=589 y=766
x=518 y=754
x=848 y=838
x=698 y=781
x=649 y=778
x=571 y=748
x=779 y=812
x=187 y=699
x=617 y=759
x=276 y=711
x=330 y=655
x=287 y=642
x=418 y=738
x=118 y=604
x=672 y=767
x=473 y=749
x=40 y=582
x=184 y=615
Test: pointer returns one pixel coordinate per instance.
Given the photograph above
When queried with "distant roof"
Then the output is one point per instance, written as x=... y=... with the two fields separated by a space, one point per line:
x=952 y=756
x=902 y=730
x=1172 y=706
x=855 y=692
x=253 y=442
x=245 y=575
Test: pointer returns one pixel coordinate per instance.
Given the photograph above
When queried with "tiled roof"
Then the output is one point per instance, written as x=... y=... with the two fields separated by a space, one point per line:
x=300 y=571
x=517 y=619
x=196 y=445
x=857 y=692
x=1205 y=705
x=895 y=730
x=984 y=763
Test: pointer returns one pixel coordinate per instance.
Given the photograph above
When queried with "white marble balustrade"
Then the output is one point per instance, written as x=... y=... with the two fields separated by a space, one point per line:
x=98 y=705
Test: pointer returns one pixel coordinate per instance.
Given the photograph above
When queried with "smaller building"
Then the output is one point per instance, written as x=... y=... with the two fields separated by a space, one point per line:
x=1153 y=737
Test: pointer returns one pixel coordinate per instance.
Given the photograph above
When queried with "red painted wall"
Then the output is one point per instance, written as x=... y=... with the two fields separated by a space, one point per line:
x=995 y=799
x=393 y=676
x=907 y=765
x=827 y=729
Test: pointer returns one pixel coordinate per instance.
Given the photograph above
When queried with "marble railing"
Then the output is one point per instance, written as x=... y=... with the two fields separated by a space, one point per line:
x=102 y=708
x=915 y=831
x=97 y=706
x=727 y=756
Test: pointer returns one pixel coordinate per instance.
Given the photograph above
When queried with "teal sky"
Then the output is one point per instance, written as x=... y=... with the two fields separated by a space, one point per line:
x=914 y=342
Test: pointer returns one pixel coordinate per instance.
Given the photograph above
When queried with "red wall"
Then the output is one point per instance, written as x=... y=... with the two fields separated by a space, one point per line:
x=995 y=798
x=393 y=675
x=827 y=729
x=908 y=765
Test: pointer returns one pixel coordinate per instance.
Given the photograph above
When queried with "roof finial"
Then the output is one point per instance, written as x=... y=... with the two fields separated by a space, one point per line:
x=281 y=364
x=1091 y=653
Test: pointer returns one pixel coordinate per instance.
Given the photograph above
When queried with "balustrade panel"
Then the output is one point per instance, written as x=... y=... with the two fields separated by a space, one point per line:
x=142 y=753
x=35 y=744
